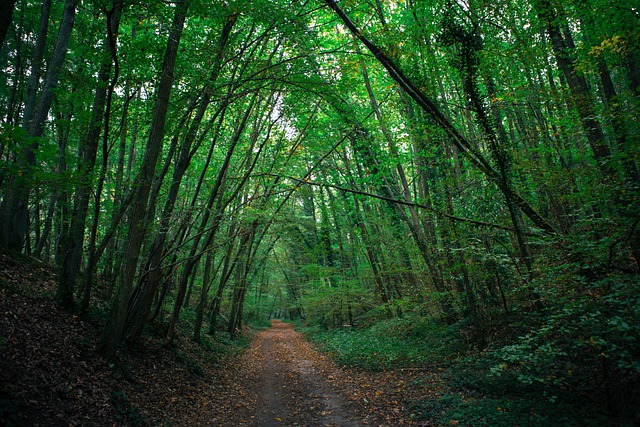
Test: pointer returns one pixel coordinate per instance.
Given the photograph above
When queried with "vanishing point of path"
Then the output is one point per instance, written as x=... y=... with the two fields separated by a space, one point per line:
x=291 y=384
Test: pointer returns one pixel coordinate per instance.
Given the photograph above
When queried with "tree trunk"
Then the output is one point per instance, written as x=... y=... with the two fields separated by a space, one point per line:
x=580 y=93
x=113 y=332
x=147 y=286
x=73 y=241
x=36 y=64
x=6 y=10
x=16 y=210
x=463 y=145
x=240 y=285
x=412 y=220
x=207 y=280
x=229 y=266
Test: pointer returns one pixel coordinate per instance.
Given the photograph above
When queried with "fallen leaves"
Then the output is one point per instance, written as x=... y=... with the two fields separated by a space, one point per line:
x=49 y=371
x=50 y=375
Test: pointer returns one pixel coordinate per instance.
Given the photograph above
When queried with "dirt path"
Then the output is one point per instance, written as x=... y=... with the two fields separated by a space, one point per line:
x=49 y=374
x=282 y=381
x=291 y=384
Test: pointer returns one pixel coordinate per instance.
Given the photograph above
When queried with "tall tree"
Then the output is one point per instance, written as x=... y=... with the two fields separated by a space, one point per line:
x=6 y=11
x=112 y=334
x=73 y=241
x=15 y=207
x=149 y=280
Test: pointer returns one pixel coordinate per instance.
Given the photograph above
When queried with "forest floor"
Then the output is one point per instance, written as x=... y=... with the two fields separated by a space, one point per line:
x=289 y=383
x=50 y=374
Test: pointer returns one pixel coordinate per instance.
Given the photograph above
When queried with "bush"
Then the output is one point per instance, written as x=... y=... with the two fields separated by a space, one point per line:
x=589 y=343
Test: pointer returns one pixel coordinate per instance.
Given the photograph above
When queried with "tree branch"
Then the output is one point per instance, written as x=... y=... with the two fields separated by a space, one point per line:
x=462 y=144
x=479 y=223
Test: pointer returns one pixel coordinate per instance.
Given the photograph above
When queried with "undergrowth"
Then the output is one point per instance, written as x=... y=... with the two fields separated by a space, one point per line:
x=537 y=376
x=396 y=343
x=127 y=412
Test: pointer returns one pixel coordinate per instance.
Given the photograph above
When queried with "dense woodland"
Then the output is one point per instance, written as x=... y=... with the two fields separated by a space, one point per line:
x=445 y=171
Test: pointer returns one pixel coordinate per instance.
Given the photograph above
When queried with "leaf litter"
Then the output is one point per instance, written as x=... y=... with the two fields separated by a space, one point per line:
x=50 y=374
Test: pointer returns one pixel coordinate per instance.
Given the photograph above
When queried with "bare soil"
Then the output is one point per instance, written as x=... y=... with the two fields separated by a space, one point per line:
x=291 y=383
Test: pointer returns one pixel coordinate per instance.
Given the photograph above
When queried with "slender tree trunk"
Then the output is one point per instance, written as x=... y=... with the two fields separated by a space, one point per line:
x=215 y=195
x=372 y=255
x=412 y=220
x=73 y=241
x=16 y=210
x=147 y=286
x=580 y=93
x=230 y=263
x=112 y=335
x=46 y=229
x=618 y=122
x=634 y=72
x=207 y=280
x=240 y=284
x=192 y=280
x=584 y=104
x=463 y=145
x=12 y=116
x=36 y=64
x=6 y=11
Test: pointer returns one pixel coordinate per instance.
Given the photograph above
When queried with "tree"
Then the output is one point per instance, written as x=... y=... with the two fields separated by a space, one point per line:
x=473 y=162
x=112 y=335
x=73 y=241
x=5 y=11
x=15 y=208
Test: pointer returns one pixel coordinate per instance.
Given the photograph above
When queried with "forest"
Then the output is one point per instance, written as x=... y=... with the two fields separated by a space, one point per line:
x=444 y=185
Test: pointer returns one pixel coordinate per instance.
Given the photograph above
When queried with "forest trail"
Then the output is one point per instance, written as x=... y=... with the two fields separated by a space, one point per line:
x=50 y=374
x=291 y=383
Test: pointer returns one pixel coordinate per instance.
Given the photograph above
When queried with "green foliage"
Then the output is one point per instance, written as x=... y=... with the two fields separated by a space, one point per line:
x=504 y=412
x=335 y=258
x=327 y=306
x=13 y=139
x=84 y=346
x=589 y=338
x=476 y=395
x=10 y=411
x=406 y=342
x=258 y=307
x=223 y=345
x=238 y=343
x=261 y=322
x=509 y=399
